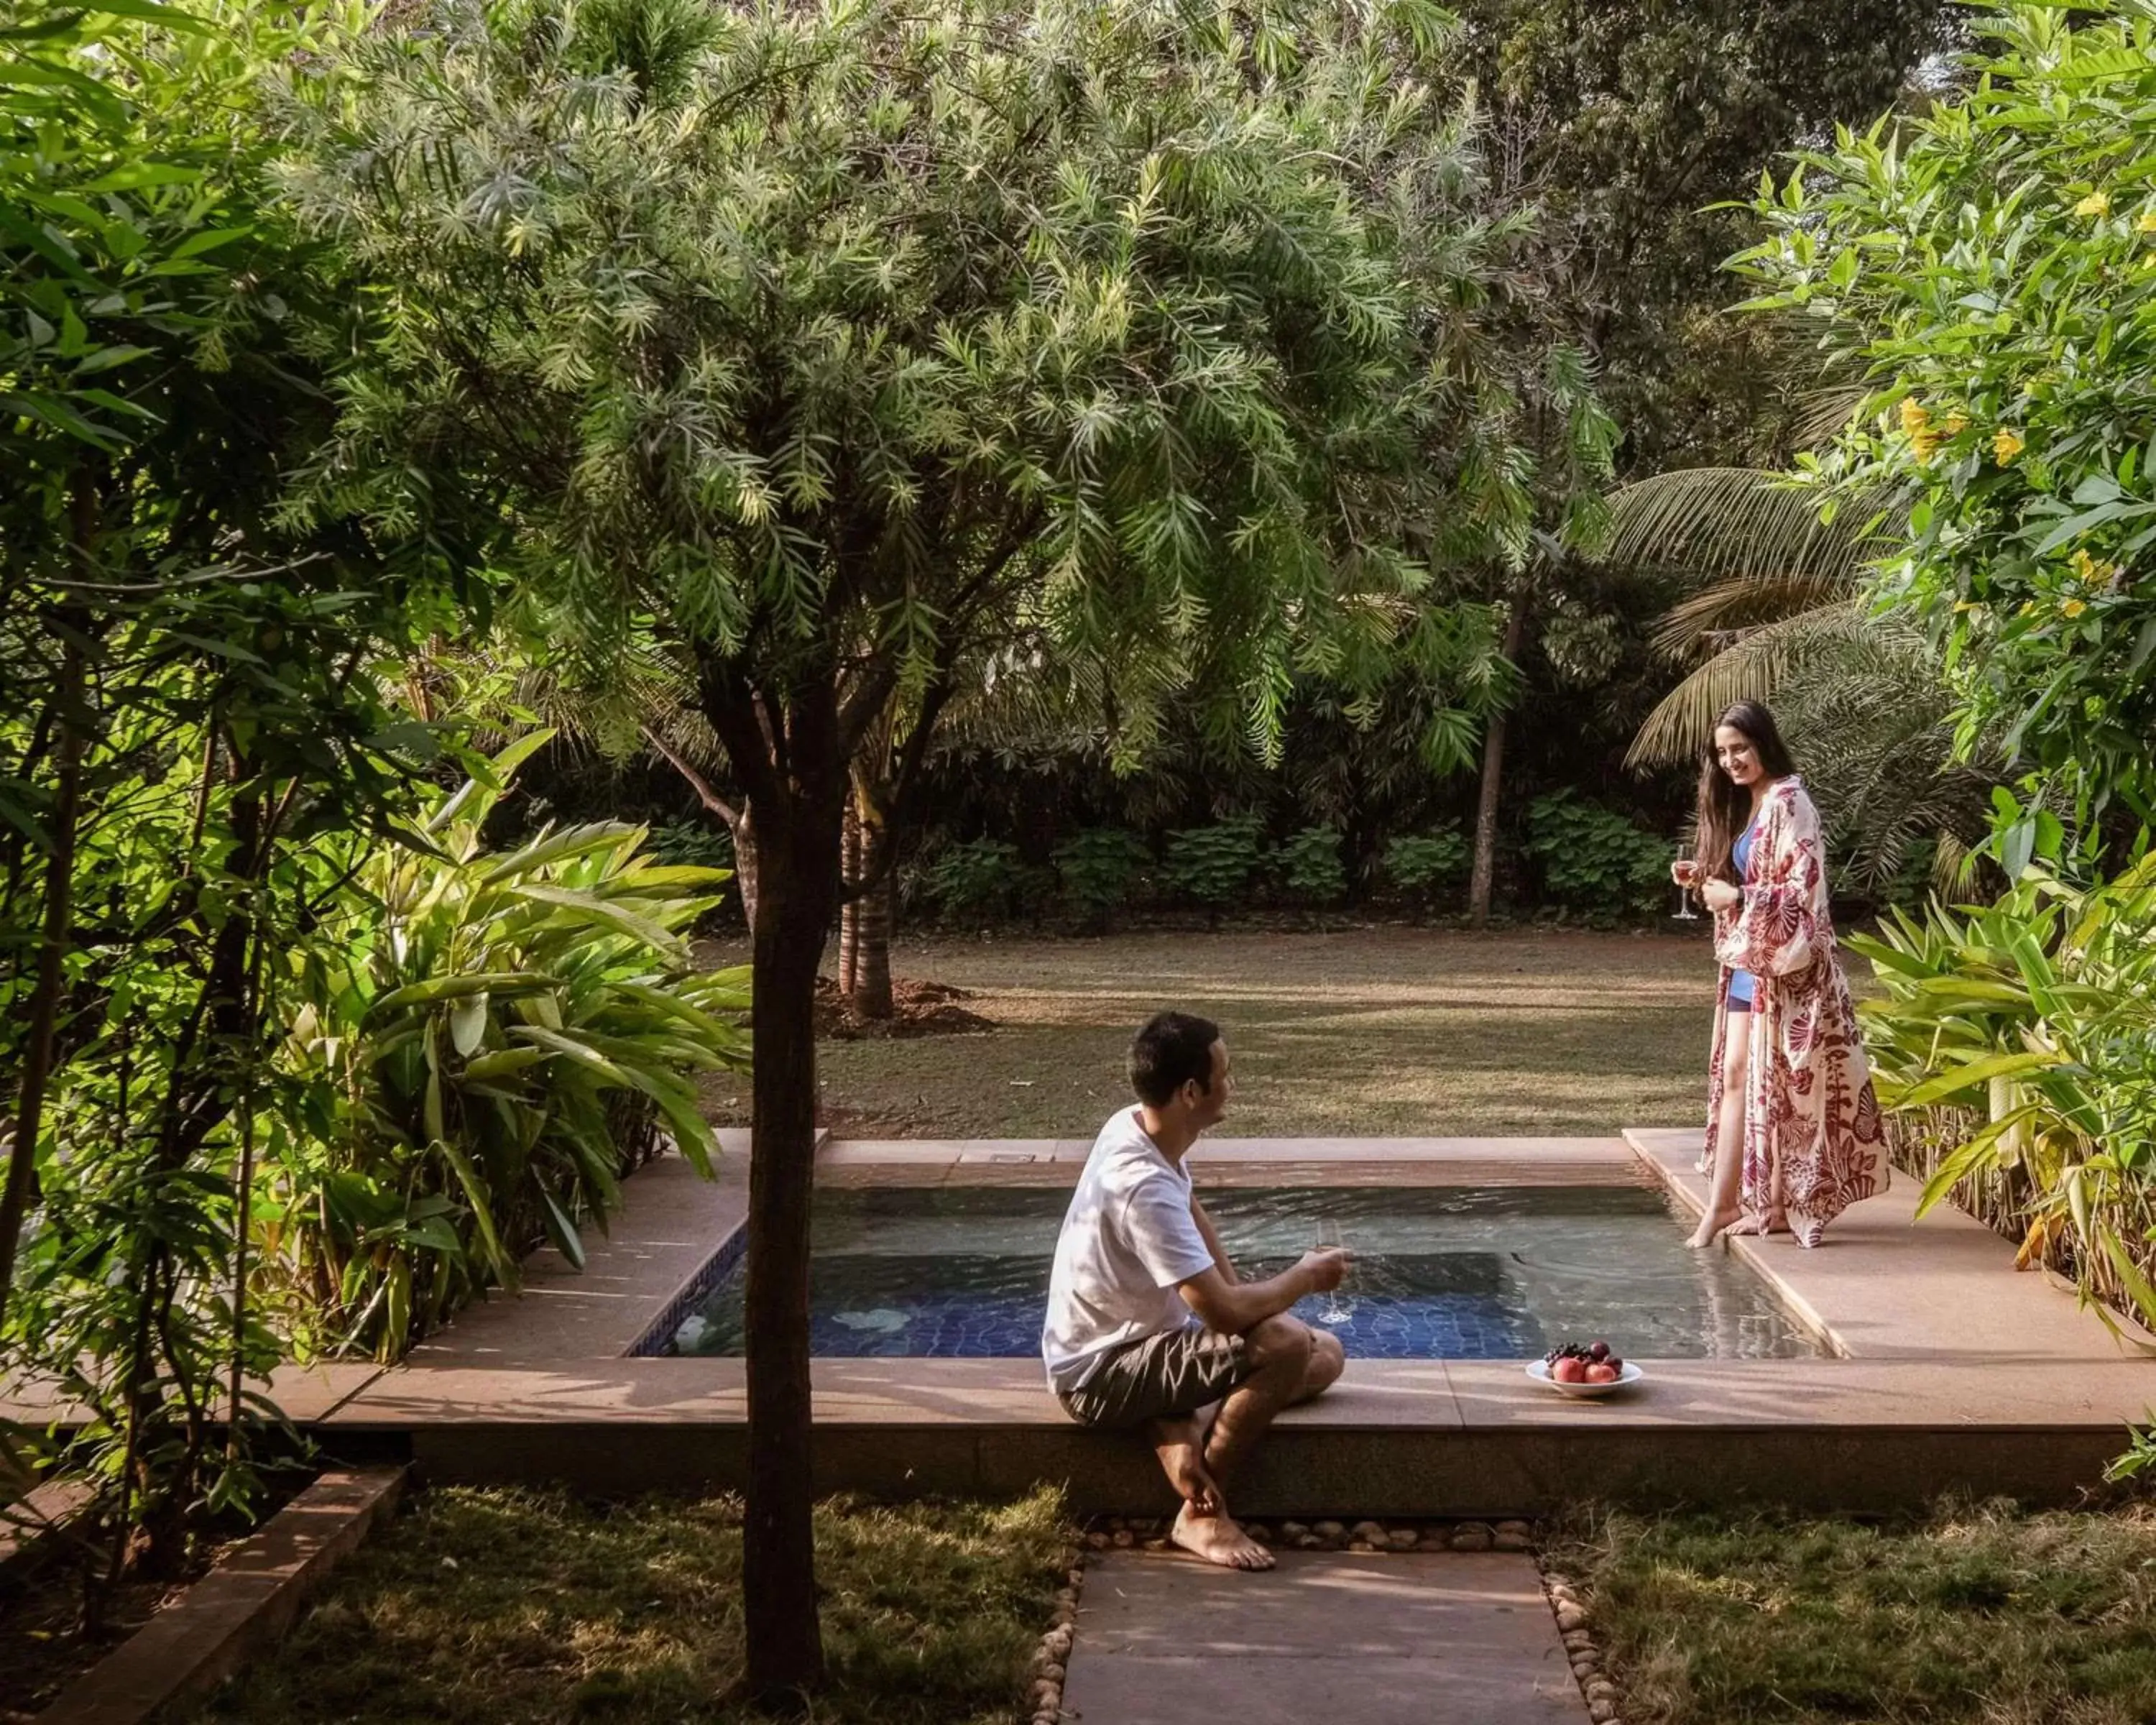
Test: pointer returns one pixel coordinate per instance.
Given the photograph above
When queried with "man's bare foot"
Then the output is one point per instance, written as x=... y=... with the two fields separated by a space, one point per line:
x=1713 y=1225
x=1180 y=1445
x=1219 y=1540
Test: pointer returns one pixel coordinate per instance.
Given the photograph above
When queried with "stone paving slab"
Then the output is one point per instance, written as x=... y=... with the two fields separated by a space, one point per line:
x=304 y=1394
x=1885 y=1285
x=1516 y=1151
x=26 y=1523
x=672 y=1221
x=1395 y=1438
x=1469 y=1639
x=1439 y=1396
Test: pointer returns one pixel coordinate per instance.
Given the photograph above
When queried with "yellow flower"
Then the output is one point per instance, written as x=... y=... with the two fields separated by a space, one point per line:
x=2146 y=224
x=2074 y=608
x=2092 y=572
x=1926 y=443
x=2005 y=446
x=1956 y=424
x=1914 y=416
x=2097 y=203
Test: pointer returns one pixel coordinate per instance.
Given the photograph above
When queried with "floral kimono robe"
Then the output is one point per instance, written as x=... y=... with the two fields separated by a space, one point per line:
x=1812 y=1138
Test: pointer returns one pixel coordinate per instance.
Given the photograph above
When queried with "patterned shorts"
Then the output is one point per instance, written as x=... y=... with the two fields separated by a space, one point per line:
x=1174 y=1372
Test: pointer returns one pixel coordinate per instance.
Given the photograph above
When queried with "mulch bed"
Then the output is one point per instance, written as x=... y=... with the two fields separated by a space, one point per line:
x=917 y=1009
x=42 y=1646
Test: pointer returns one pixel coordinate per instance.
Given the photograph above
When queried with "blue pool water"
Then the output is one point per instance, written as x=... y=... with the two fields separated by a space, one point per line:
x=1440 y=1273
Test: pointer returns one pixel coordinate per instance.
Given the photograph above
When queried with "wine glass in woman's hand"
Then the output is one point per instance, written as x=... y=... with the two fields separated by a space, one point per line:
x=1685 y=871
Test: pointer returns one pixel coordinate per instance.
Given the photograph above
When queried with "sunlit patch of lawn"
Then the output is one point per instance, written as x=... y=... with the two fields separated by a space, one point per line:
x=525 y=1608
x=1384 y=1031
x=1973 y=1614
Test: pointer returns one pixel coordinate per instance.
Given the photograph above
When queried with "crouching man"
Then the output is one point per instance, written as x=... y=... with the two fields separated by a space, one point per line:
x=1149 y=1325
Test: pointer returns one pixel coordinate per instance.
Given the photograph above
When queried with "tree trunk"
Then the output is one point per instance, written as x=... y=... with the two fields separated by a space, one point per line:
x=51 y=984
x=870 y=984
x=743 y=827
x=735 y=816
x=850 y=917
x=796 y=862
x=1493 y=774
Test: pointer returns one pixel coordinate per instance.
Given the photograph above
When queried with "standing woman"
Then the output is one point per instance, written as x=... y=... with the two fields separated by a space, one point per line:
x=1793 y=1130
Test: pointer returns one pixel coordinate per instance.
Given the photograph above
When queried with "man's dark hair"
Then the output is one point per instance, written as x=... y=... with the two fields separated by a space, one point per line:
x=1173 y=1048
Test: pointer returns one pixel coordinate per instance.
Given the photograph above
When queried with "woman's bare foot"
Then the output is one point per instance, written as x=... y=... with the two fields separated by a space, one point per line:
x=1180 y=1445
x=1713 y=1225
x=1217 y=1540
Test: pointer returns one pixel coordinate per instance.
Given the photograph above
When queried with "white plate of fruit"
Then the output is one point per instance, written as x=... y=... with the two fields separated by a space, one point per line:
x=1590 y=1370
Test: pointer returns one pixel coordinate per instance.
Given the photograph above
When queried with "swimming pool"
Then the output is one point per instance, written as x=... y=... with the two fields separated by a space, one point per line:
x=1489 y=1272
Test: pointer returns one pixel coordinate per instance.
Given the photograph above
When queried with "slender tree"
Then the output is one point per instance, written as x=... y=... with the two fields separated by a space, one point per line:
x=832 y=340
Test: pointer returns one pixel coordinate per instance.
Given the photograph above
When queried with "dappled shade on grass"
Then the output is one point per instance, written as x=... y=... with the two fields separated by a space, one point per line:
x=476 y=1607
x=1974 y=1613
x=1383 y=1031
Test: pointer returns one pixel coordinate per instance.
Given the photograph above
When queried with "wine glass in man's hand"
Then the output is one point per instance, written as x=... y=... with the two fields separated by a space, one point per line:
x=1330 y=1247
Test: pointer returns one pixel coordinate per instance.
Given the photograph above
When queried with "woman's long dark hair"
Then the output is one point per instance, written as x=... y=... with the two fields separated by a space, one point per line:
x=1725 y=806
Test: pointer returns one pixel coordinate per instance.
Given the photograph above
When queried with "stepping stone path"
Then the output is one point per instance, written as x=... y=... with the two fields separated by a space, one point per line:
x=1339 y=1638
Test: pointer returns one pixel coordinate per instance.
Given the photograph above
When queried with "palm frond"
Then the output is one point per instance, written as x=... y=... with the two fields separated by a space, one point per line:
x=1741 y=523
x=1825 y=413
x=1734 y=606
x=1754 y=667
x=1869 y=721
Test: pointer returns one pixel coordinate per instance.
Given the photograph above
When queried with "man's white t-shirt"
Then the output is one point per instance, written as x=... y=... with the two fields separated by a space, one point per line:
x=1128 y=1241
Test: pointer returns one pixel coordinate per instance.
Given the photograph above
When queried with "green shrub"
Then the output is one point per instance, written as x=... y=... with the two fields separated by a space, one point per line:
x=1596 y=861
x=978 y=879
x=699 y=844
x=1419 y=865
x=693 y=843
x=461 y=1065
x=2035 y=1017
x=1310 y=866
x=1099 y=868
x=1212 y=866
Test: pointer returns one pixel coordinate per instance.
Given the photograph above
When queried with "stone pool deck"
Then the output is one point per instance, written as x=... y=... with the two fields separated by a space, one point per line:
x=1947 y=1370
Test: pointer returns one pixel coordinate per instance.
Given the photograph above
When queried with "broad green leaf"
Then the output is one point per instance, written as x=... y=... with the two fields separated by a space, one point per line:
x=562 y=1231
x=1975 y=1075
x=430 y=990
x=598 y=910
x=1980 y=1149
x=468 y=1022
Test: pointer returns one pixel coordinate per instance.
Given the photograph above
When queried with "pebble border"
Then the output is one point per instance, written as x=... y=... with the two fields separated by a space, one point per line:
x=1044 y=1679
x=1595 y=1685
x=1123 y=1532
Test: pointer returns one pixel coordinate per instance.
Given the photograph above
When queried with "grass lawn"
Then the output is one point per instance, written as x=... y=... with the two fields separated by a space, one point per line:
x=480 y=1608
x=1975 y=1615
x=1383 y=1031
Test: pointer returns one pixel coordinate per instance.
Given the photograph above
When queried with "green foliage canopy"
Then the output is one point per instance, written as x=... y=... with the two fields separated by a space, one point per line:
x=804 y=324
x=1989 y=268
